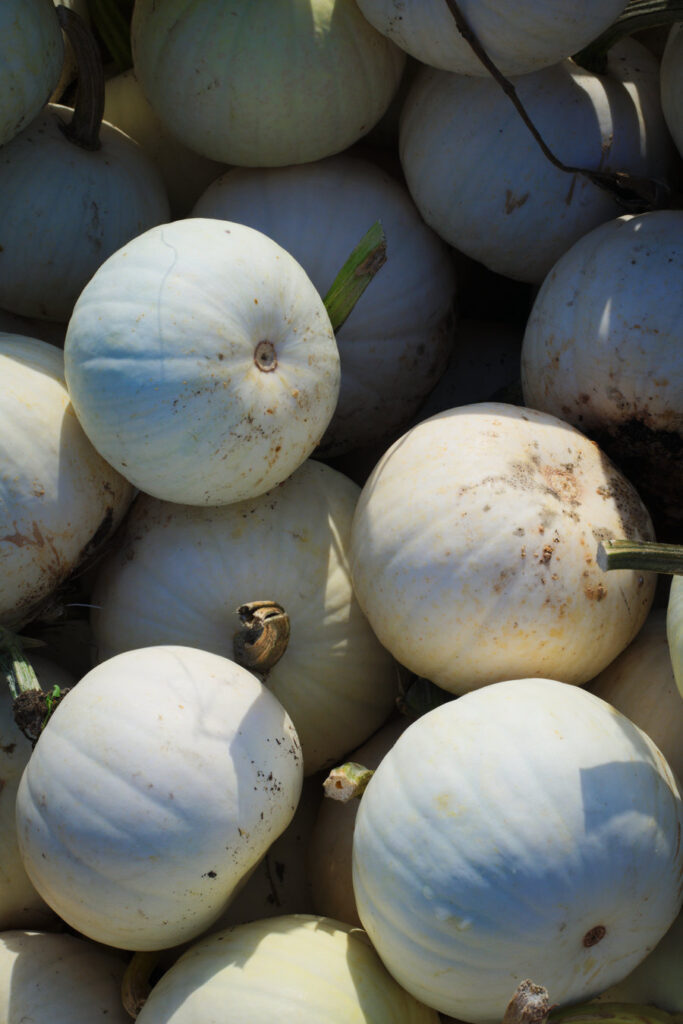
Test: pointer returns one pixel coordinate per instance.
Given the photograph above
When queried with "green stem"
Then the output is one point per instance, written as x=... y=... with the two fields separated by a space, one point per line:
x=112 y=21
x=643 y=556
x=347 y=782
x=14 y=664
x=84 y=127
x=366 y=259
x=638 y=15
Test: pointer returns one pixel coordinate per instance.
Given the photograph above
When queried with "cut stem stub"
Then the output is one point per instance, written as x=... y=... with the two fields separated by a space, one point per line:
x=262 y=637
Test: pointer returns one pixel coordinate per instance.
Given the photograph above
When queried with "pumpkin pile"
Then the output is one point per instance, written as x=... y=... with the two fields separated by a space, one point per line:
x=341 y=461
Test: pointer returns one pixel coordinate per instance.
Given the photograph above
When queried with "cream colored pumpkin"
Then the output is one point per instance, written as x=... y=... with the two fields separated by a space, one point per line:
x=674 y=629
x=297 y=967
x=59 y=979
x=179 y=573
x=672 y=84
x=473 y=550
x=267 y=84
x=202 y=363
x=394 y=344
x=59 y=499
x=658 y=979
x=480 y=179
x=159 y=782
x=31 y=55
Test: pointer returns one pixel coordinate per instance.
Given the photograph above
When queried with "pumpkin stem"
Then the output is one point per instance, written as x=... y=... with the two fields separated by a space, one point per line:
x=637 y=15
x=32 y=707
x=643 y=556
x=262 y=637
x=633 y=194
x=136 y=984
x=347 y=782
x=84 y=127
x=529 y=1005
x=356 y=274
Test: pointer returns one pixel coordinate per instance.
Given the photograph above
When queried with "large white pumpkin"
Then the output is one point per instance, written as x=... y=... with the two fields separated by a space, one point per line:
x=527 y=830
x=473 y=549
x=672 y=84
x=480 y=179
x=31 y=55
x=159 y=782
x=264 y=84
x=394 y=344
x=59 y=499
x=202 y=363
x=296 y=967
x=518 y=35
x=178 y=574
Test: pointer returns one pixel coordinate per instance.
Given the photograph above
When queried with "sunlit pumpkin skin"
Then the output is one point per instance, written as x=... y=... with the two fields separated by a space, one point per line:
x=179 y=573
x=264 y=85
x=640 y=683
x=202 y=363
x=59 y=979
x=658 y=980
x=394 y=345
x=157 y=785
x=674 y=629
x=473 y=550
x=186 y=174
x=671 y=77
x=524 y=829
x=20 y=904
x=296 y=967
x=518 y=37
x=59 y=499
x=603 y=348
x=65 y=209
x=31 y=51
x=482 y=182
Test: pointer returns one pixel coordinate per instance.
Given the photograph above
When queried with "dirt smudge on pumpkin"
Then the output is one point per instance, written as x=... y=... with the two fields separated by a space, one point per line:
x=21 y=540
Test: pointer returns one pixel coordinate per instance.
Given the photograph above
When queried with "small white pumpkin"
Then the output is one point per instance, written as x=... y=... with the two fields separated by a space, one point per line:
x=59 y=499
x=394 y=344
x=671 y=77
x=59 y=979
x=157 y=785
x=473 y=549
x=202 y=363
x=524 y=830
x=267 y=84
x=480 y=179
x=178 y=574
x=297 y=967
x=31 y=55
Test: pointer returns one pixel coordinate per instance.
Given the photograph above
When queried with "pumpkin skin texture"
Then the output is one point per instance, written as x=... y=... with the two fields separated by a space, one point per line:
x=202 y=363
x=394 y=345
x=32 y=52
x=158 y=784
x=480 y=179
x=525 y=829
x=671 y=78
x=518 y=37
x=603 y=348
x=179 y=573
x=674 y=629
x=658 y=979
x=473 y=550
x=59 y=499
x=296 y=967
x=65 y=209
x=59 y=979
x=264 y=85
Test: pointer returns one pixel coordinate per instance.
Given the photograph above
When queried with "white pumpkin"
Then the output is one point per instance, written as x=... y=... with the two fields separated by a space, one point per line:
x=658 y=979
x=296 y=967
x=674 y=629
x=59 y=499
x=671 y=77
x=263 y=85
x=518 y=37
x=603 y=347
x=394 y=345
x=473 y=550
x=159 y=782
x=202 y=363
x=640 y=683
x=59 y=979
x=525 y=830
x=480 y=179
x=186 y=174
x=178 y=574
x=65 y=209
x=31 y=55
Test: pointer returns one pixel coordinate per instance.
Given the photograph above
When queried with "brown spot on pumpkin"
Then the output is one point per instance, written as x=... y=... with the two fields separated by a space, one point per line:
x=594 y=935
x=546 y=554
x=595 y=592
x=265 y=356
x=21 y=540
x=513 y=202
